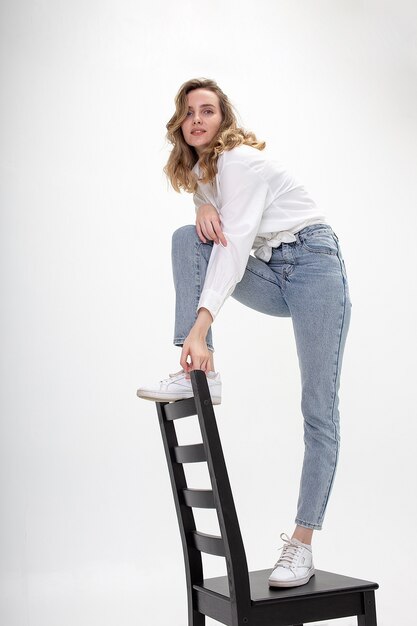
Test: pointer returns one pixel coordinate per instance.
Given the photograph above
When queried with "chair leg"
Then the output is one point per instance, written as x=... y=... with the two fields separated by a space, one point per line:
x=197 y=619
x=369 y=616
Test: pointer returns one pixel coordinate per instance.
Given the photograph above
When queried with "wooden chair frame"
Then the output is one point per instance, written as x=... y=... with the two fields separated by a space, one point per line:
x=241 y=598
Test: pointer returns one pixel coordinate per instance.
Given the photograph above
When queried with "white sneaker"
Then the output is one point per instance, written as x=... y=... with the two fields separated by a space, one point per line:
x=295 y=565
x=178 y=387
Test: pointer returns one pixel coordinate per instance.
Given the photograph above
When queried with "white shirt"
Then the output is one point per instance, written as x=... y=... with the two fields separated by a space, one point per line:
x=260 y=205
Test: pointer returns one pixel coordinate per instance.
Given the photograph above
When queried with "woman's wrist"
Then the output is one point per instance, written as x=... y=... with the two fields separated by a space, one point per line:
x=203 y=322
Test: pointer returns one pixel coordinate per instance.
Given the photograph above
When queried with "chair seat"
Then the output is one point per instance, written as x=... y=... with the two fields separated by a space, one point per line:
x=321 y=582
x=325 y=596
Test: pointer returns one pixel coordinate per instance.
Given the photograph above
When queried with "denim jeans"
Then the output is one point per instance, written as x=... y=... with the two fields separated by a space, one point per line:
x=305 y=280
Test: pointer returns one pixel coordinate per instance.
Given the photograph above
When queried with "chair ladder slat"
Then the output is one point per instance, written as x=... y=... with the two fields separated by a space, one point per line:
x=189 y=454
x=209 y=544
x=180 y=408
x=199 y=498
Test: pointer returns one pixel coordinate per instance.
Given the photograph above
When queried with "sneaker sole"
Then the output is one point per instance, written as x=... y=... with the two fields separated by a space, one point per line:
x=291 y=583
x=158 y=397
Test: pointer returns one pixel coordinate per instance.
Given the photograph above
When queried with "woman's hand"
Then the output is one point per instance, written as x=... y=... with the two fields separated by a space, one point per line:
x=208 y=224
x=195 y=347
x=195 y=344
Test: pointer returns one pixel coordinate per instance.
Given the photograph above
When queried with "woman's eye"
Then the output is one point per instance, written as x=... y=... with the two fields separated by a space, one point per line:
x=206 y=111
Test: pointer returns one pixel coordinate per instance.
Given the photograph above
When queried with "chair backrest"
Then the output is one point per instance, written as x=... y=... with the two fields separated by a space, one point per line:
x=229 y=544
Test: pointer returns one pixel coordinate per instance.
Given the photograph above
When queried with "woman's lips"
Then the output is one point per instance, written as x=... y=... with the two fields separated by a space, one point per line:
x=198 y=132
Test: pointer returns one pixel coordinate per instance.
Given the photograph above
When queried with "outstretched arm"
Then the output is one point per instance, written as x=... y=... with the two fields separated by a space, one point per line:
x=195 y=344
x=244 y=195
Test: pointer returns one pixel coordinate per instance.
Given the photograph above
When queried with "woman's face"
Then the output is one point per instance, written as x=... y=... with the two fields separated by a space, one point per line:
x=203 y=118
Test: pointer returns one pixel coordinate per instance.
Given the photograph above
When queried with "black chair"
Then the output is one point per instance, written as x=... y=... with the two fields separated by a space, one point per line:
x=241 y=597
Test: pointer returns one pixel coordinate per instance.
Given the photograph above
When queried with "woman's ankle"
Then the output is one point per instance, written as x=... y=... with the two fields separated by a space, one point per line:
x=303 y=534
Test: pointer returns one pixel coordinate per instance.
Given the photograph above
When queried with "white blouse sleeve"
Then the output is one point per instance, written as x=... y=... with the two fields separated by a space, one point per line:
x=243 y=200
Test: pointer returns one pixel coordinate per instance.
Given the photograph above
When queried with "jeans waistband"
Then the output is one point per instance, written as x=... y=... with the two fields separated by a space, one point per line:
x=309 y=229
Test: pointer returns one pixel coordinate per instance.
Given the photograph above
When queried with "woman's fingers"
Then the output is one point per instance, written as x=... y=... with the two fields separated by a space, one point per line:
x=208 y=224
x=212 y=230
x=199 y=233
x=183 y=360
x=209 y=231
x=219 y=233
x=199 y=355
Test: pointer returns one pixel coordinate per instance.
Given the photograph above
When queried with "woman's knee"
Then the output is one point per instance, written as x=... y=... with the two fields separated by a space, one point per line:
x=183 y=235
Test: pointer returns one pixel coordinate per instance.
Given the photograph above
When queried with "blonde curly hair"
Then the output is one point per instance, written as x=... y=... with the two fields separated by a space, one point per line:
x=183 y=157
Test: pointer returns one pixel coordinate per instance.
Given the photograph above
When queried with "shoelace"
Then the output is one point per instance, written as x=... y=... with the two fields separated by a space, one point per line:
x=171 y=376
x=289 y=554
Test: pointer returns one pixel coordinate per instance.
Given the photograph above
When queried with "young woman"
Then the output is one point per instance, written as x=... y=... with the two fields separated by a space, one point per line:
x=245 y=201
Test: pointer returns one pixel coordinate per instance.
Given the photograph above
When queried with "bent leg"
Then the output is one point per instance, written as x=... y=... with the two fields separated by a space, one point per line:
x=258 y=289
x=190 y=257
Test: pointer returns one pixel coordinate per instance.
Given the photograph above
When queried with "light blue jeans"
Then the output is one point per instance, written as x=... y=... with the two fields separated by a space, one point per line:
x=305 y=280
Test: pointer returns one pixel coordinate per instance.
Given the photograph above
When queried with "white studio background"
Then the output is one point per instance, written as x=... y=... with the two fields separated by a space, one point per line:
x=88 y=528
